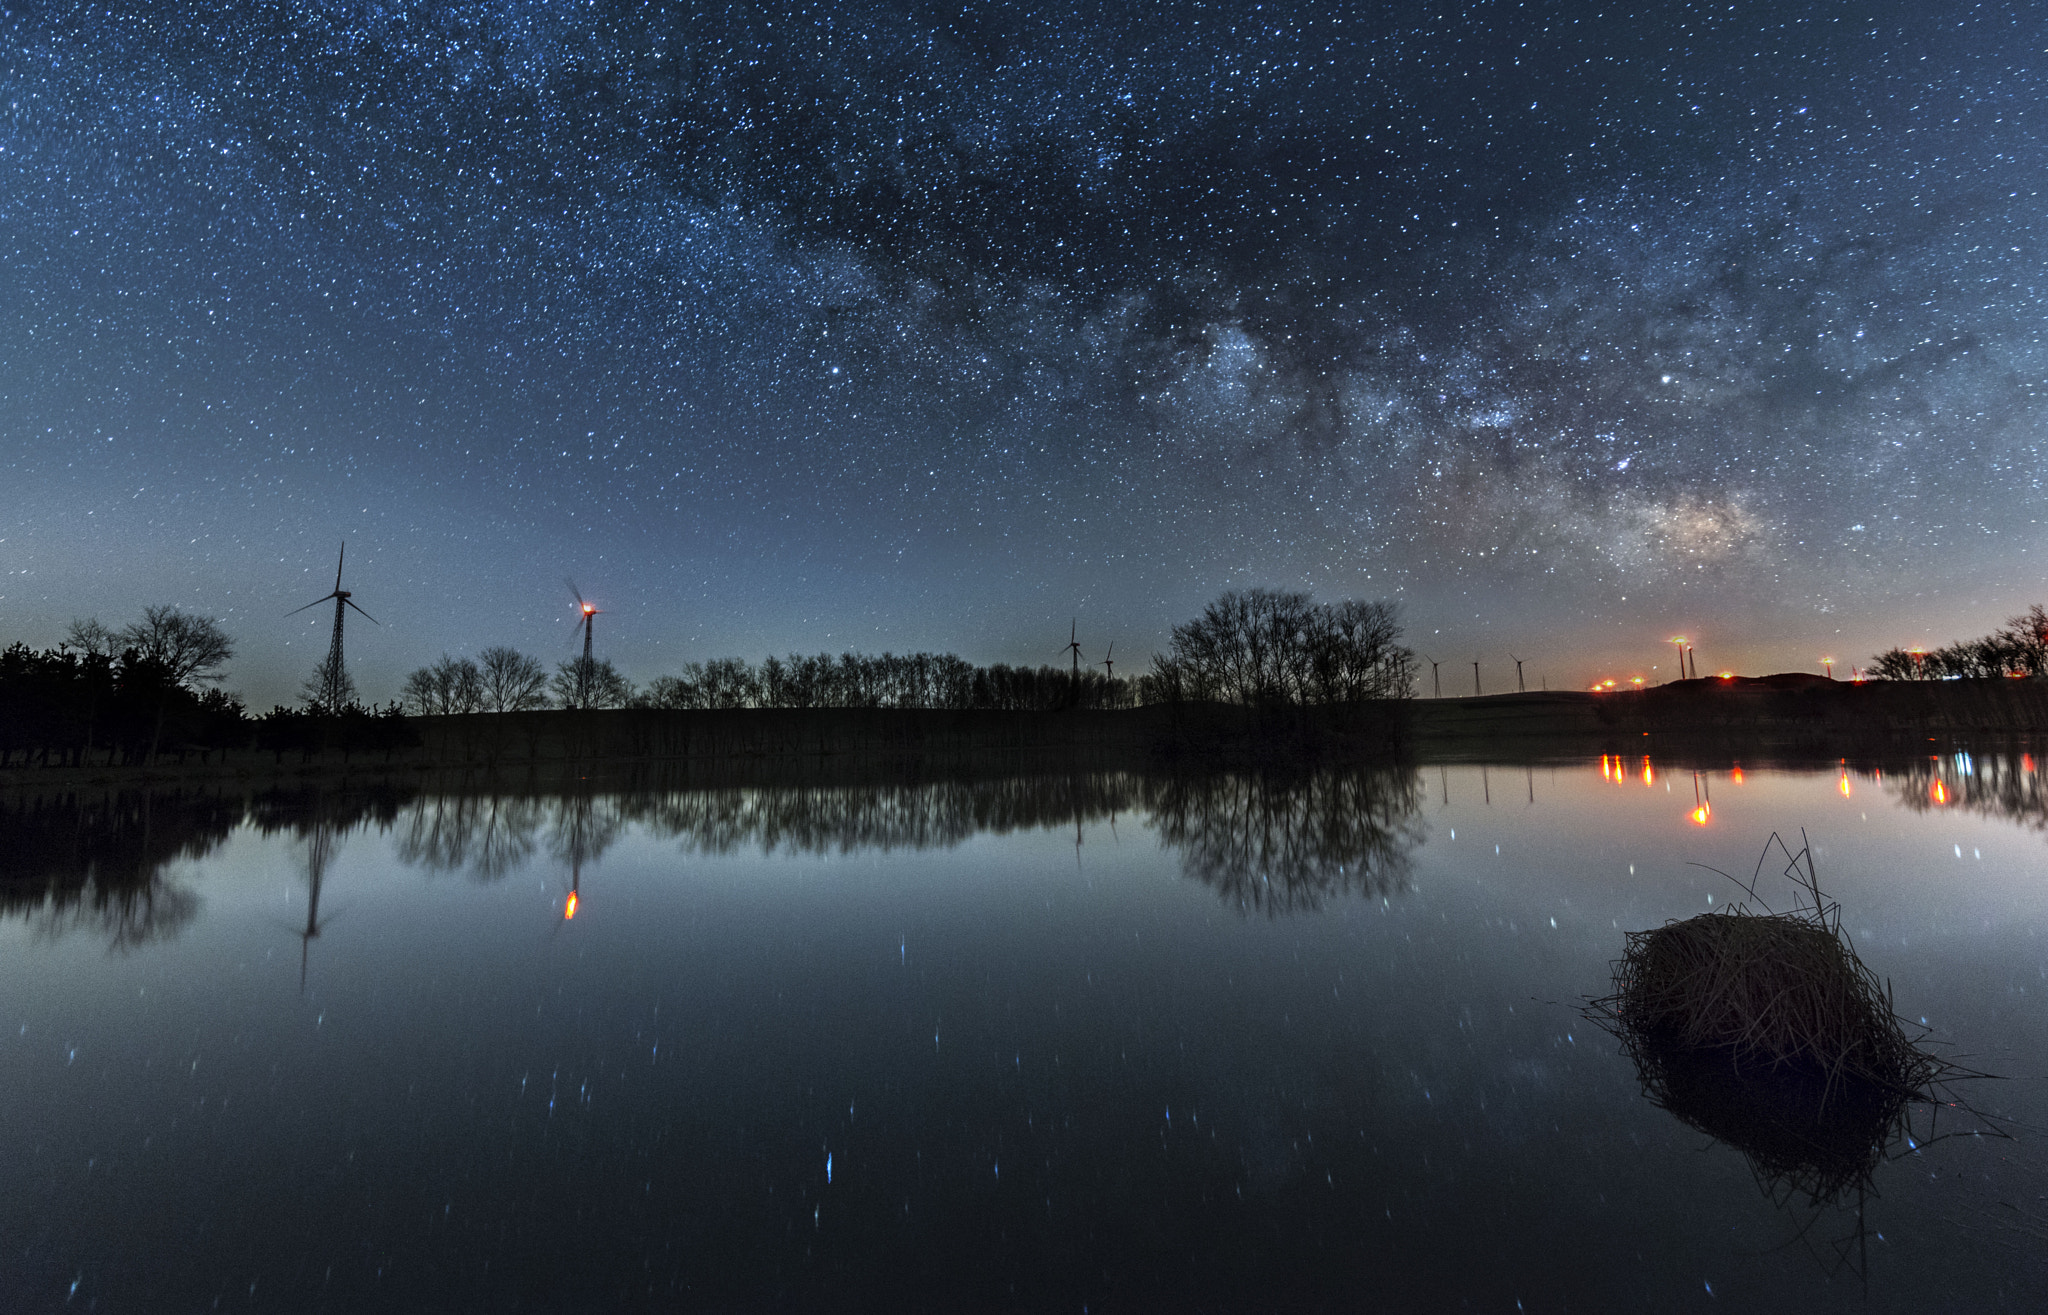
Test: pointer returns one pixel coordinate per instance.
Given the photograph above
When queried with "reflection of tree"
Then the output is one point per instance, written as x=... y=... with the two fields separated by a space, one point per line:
x=828 y=819
x=1275 y=843
x=489 y=835
x=582 y=826
x=2001 y=785
x=1288 y=844
x=98 y=861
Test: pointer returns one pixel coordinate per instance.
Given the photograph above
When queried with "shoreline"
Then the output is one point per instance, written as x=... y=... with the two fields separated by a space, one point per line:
x=1755 y=720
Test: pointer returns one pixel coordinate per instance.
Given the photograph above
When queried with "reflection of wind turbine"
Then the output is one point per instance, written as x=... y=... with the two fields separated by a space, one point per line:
x=320 y=845
x=579 y=836
x=331 y=678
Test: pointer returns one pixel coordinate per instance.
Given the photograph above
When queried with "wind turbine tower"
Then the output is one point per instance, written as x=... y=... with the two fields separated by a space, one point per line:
x=330 y=689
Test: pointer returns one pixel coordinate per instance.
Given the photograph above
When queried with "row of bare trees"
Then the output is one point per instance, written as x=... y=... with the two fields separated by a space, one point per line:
x=2018 y=648
x=1258 y=647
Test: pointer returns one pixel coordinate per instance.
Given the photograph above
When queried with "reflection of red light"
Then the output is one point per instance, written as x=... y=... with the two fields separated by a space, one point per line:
x=1700 y=814
x=1649 y=777
x=1845 y=786
x=1736 y=776
x=569 y=909
x=2026 y=762
x=1938 y=792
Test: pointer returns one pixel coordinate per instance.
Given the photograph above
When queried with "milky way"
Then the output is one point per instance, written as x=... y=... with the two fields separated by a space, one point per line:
x=931 y=326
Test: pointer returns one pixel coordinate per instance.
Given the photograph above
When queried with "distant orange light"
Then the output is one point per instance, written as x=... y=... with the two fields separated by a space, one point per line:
x=1938 y=792
x=1727 y=675
x=1635 y=680
x=569 y=909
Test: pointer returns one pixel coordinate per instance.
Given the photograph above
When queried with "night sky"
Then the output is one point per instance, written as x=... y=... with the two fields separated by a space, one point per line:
x=930 y=326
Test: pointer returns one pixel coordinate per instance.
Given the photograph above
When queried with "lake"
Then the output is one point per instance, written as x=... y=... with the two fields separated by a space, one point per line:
x=1095 y=1043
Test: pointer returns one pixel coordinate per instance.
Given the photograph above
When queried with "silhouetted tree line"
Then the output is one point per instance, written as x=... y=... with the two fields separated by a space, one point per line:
x=1260 y=647
x=501 y=680
x=134 y=696
x=119 y=696
x=2018 y=648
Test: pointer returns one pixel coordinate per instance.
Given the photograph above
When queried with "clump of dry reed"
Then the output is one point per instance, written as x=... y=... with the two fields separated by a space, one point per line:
x=1765 y=1029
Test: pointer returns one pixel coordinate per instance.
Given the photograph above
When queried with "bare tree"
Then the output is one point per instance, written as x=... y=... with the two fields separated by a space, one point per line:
x=190 y=649
x=451 y=686
x=511 y=681
x=330 y=690
x=87 y=636
x=1266 y=646
x=590 y=683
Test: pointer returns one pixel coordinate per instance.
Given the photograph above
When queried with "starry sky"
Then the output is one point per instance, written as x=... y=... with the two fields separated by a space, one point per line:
x=909 y=326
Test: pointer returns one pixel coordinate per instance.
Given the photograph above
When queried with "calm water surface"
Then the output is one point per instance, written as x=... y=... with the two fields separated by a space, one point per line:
x=1090 y=1044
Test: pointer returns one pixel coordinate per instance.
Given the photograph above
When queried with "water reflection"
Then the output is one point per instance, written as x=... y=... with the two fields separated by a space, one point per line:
x=1271 y=843
x=487 y=836
x=1286 y=845
x=97 y=862
x=2008 y=786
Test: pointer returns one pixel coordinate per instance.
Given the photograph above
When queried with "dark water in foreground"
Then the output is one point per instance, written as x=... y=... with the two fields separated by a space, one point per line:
x=1093 y=1044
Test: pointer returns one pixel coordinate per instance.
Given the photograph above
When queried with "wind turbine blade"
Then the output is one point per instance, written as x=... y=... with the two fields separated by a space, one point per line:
x=574 y=590
x=315 y=603
x=342 y=557
x=373 y=620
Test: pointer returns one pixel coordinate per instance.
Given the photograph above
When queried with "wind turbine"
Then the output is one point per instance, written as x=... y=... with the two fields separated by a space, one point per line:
x=1074 y=643
x=1520 y=686
x=1436 y=677
x=587 y=613
x=1109 y=662
x=332 y=689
